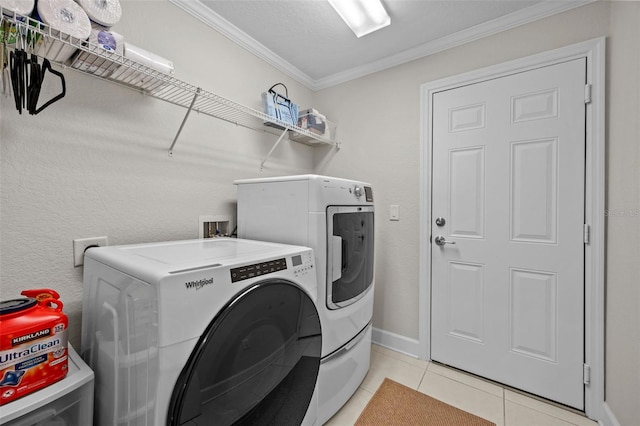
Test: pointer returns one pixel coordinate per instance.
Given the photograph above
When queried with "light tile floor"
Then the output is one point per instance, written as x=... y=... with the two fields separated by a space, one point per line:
x=500 y=405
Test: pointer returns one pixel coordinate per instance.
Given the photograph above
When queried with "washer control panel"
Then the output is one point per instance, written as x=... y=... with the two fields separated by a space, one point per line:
x=368 y=192
x=257 y=269
x=358 y=191
x=303 y=264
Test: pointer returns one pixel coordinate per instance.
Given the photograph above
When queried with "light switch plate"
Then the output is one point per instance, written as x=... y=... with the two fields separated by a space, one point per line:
x=394 y=212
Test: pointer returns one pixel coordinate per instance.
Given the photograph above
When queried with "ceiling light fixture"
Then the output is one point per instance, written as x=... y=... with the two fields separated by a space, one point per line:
x=362 y=16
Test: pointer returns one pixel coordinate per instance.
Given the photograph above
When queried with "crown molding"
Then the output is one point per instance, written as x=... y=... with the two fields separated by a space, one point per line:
x=233 y=33
x=512 y=20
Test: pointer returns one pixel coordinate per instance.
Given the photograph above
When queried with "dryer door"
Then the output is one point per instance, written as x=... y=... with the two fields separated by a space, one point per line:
x=257 y=362
x=349 y=254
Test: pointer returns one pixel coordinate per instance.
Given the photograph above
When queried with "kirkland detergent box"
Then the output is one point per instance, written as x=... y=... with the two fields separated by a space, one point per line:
x=33 y=343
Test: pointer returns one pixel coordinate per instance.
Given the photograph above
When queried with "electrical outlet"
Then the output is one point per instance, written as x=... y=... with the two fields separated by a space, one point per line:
x=81 y=245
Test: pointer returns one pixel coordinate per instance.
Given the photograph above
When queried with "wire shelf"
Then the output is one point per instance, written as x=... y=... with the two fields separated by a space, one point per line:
x=22 y=32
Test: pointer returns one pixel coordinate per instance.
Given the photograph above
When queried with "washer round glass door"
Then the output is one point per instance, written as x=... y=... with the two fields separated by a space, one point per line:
x=256 y=363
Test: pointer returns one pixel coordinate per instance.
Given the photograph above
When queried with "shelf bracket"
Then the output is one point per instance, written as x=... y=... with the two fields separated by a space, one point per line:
x=327 y=157
x=184 y=120
x=284 y=132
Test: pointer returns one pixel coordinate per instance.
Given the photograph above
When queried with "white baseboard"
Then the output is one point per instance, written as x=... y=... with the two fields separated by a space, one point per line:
x=608 y=418
x=396 y=342
x=411 y=347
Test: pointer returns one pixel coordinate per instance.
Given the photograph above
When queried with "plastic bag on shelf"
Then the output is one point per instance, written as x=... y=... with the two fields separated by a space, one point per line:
x=279 y=107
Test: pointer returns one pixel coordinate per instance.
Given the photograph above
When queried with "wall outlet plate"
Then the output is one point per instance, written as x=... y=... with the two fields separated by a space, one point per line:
x=82 y=244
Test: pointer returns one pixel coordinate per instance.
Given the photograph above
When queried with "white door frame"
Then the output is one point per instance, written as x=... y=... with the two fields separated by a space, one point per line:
x=594 y=51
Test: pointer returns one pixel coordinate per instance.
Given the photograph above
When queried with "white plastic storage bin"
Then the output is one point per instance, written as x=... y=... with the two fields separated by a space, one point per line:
x=68 y=402
x=315 y=123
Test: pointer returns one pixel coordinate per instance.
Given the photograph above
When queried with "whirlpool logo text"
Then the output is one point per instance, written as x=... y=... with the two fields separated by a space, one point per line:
x=197 y=285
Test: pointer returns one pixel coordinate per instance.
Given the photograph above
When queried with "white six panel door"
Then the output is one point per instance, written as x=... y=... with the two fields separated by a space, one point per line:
x=508 y=180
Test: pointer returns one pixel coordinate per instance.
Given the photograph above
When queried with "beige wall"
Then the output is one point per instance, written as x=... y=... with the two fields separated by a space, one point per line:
x=379 y=118
x=623 y=224
x=96 y=163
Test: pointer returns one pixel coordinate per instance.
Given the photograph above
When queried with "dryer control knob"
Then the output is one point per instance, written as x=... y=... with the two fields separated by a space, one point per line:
x=357 y=191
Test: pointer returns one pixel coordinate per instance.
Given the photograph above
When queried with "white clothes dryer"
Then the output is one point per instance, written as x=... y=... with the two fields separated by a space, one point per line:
x=202 y=332
x=335 y=217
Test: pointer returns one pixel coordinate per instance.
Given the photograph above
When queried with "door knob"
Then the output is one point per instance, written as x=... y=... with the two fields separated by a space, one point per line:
x=440 y=241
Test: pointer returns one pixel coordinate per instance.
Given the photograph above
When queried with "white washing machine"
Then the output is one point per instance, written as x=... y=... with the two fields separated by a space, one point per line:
x=335 y=217
x=202 y=332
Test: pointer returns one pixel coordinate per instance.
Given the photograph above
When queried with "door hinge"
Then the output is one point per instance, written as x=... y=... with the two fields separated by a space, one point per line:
x=586 y=233
x=587 y=94
x=587 y=374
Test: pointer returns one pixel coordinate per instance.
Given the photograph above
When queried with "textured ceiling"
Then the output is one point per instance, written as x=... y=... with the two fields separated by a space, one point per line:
x=308 y=40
